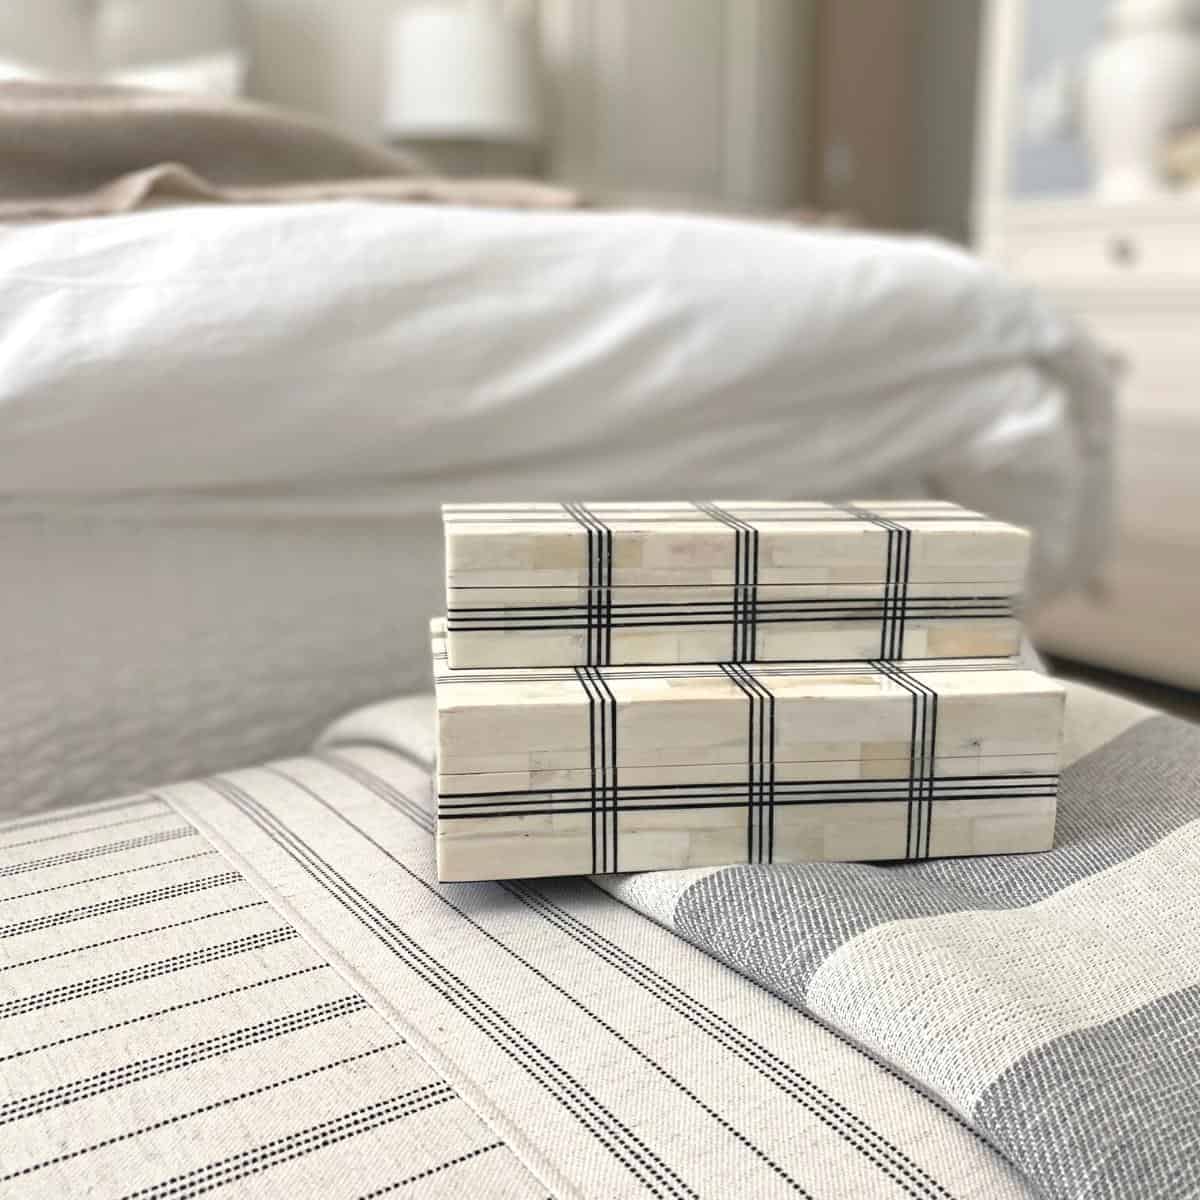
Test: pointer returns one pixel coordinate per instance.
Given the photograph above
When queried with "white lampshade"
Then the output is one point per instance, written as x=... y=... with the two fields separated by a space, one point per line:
x=460 y=69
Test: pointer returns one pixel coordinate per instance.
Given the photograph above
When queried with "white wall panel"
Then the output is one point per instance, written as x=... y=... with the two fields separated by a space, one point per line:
x=691 y=102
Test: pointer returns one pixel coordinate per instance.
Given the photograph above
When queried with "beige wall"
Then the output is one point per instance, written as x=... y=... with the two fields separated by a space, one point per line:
x=326 y=57
x=54 y=33
x=329 y=58
x=651 y=124
x=947 y=70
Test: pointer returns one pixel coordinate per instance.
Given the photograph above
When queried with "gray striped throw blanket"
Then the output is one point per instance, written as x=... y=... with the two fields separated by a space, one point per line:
x=1051 y=1000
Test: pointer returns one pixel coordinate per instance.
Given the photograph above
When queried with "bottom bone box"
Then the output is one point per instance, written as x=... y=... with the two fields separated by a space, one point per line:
x=583 y=770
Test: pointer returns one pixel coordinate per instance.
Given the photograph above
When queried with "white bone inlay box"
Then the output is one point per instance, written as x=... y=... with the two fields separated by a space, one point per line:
x=721 y=581
x=585 y=769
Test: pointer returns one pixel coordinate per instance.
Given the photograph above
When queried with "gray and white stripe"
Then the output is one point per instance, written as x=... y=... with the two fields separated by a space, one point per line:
x=1052 y=1000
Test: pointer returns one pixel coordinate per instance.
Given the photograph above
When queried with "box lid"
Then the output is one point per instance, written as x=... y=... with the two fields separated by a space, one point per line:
x=747 y=543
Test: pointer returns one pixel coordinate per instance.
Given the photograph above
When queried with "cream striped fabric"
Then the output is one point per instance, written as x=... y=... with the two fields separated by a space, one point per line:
x=253 y=986
x=165 y=1031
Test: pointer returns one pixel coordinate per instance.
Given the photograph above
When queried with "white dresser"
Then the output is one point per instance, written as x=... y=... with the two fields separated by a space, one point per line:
x=1132 y=274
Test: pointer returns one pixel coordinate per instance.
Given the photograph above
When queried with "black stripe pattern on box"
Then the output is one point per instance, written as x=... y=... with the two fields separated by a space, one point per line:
x=674 y=614
x=731 y=793
x=760 y=764
x=898 y=553
x=751 y=605
x=745 y=582
x=922 y=783
x=599 y=584
x=666 y=671
x=602 y=758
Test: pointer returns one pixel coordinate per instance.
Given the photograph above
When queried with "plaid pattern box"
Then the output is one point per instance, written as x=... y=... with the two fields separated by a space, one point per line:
x=546 y=585
x=585 y=770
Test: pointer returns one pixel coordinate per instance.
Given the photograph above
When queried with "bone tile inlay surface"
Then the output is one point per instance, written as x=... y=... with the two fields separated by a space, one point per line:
x=611 y=584
x=568 y=770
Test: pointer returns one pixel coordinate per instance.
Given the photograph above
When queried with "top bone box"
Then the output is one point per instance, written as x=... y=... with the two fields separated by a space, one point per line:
x=532 y=585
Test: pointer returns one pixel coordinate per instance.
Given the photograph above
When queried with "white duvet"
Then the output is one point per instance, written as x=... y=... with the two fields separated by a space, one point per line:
x=320 y=377
x=457 y=353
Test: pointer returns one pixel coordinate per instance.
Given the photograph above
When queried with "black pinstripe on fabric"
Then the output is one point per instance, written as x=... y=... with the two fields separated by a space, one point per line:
x=154 y=1014
x=137 y=933
x=450 y=1163
x=438 y=893
x=58 y=887
x=861 y=1136
x=41 y=820
x=102 y=908
x=97 y=985
x=191 y=1113
x=348 y=767
x=248 y=1163
x=66 y=833
x=73 y=856
x=221 y=1044
x=831 y=1113
x=625 y=1146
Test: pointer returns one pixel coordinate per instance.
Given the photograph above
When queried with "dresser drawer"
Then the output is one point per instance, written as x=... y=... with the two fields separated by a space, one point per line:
x=1084 y=243
x=1120 y=255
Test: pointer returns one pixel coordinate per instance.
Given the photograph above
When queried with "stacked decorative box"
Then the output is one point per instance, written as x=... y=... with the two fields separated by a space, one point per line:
x=630 y=687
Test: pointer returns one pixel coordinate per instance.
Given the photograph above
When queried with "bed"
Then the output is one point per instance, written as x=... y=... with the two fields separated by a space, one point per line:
x=225 y=431
x=253 y=984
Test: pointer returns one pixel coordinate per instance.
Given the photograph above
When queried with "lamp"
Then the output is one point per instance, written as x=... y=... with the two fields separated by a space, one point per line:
x=463 y=72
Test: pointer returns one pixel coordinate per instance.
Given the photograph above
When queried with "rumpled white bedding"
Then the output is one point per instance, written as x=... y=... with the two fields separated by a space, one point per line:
x=469 y=353
x=206 y=384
